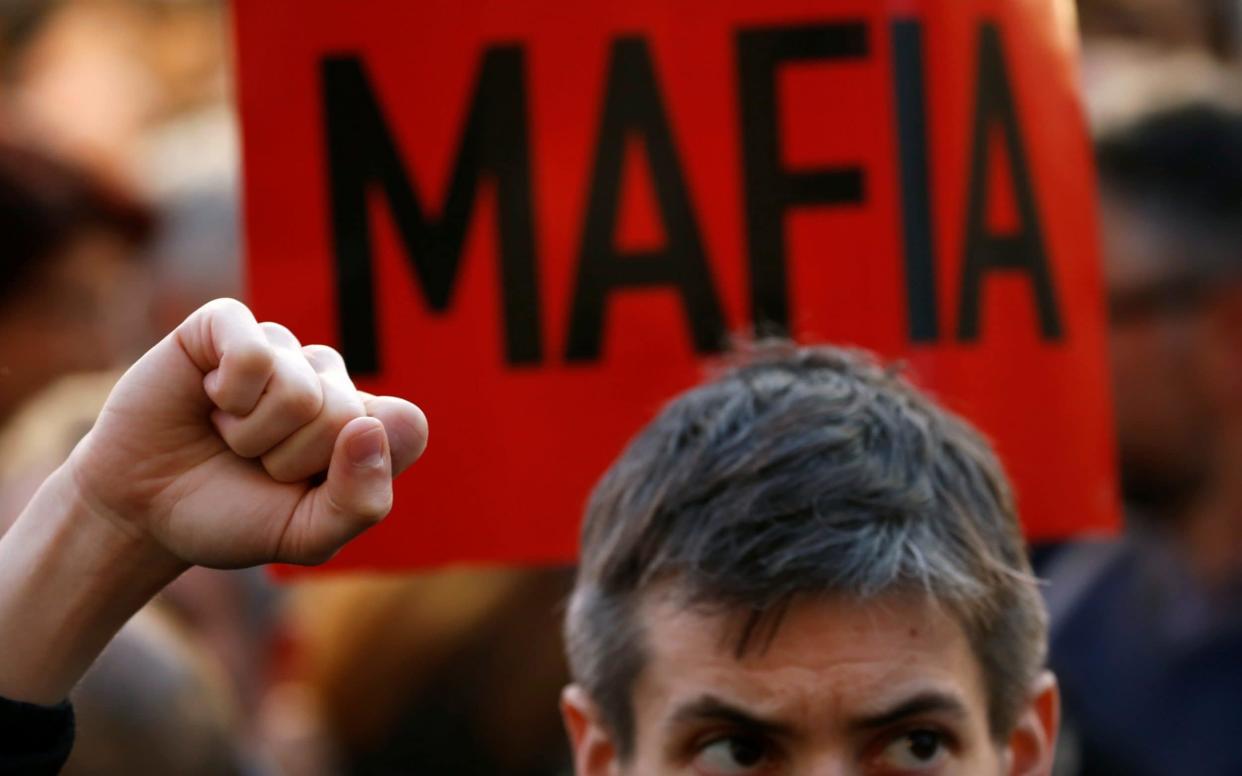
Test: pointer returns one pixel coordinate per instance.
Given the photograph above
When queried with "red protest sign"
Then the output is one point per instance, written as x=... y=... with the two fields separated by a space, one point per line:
x=537 y=219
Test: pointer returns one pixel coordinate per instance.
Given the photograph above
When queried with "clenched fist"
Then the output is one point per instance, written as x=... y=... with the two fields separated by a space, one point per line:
x=231 y=444
x=228 y=444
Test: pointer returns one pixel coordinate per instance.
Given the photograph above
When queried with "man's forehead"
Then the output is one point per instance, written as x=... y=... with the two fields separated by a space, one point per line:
x=838 y=654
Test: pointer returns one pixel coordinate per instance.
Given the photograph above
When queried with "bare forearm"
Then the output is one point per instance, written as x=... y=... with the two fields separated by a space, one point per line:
x=68 y=581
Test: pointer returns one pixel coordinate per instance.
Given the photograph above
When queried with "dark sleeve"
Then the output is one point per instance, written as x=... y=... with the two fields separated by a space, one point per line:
x=34 y=740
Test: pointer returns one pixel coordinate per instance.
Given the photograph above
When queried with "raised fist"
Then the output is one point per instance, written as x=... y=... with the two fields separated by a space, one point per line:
x=230 y=444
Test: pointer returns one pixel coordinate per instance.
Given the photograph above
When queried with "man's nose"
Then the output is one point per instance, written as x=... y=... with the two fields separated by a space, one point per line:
x=832 y=765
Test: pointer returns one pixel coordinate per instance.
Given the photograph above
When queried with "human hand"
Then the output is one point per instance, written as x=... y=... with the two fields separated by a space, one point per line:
x=210 y=449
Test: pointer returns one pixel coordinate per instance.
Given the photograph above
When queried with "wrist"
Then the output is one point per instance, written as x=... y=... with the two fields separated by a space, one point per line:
x=109 y=532
x=70 y=576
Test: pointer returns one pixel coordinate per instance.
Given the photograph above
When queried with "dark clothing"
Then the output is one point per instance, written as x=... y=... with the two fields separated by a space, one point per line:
x=34 y=740
x=1149 y=662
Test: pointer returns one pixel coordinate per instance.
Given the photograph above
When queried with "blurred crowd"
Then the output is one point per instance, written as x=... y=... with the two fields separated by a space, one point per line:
x=119 y=215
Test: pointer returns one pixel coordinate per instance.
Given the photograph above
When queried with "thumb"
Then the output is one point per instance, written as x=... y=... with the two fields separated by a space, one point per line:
x=404 y=423
x=356 y=495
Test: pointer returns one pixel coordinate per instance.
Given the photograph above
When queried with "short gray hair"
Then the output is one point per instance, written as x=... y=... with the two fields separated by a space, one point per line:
x=804 y=471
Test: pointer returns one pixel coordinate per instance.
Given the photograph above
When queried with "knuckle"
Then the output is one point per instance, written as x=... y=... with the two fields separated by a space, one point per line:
x=225 y=304
x=252 y=358
x=280 y=334
x=323 y=358
x=302 y=402
x=321 y=351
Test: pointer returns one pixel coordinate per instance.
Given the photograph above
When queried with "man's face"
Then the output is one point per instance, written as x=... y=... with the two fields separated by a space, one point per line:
x=887 y=688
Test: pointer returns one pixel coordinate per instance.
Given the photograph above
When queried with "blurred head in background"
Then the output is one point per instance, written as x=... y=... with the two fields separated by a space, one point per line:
x=72 y=297
x=1171 y=185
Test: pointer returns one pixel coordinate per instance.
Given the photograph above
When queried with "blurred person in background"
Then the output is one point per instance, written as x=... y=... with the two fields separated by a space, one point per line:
x=1147 y=631
x=69 y=282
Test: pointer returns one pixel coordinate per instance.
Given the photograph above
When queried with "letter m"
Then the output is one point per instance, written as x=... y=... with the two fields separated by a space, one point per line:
x=363 y=157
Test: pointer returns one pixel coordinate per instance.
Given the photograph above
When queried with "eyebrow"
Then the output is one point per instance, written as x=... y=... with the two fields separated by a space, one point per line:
x=709 y=708
x=931 y=701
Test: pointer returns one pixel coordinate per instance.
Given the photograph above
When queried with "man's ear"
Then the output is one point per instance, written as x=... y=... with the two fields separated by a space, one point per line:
x=594 y=751
x=1033 y=743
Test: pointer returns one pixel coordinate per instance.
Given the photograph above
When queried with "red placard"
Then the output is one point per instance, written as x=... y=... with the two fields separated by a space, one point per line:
x=537 y=219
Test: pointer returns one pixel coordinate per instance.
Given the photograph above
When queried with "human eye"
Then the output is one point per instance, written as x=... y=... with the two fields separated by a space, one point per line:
x=915 y=752
x=735 y=755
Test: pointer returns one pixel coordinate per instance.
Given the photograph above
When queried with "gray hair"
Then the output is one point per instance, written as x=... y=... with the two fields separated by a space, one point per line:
x=804 y=471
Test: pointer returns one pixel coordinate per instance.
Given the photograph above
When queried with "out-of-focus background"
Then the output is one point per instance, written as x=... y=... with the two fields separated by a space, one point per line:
x=119 y=215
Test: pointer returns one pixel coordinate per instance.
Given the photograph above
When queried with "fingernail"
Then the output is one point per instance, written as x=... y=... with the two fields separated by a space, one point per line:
x=367 y=449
